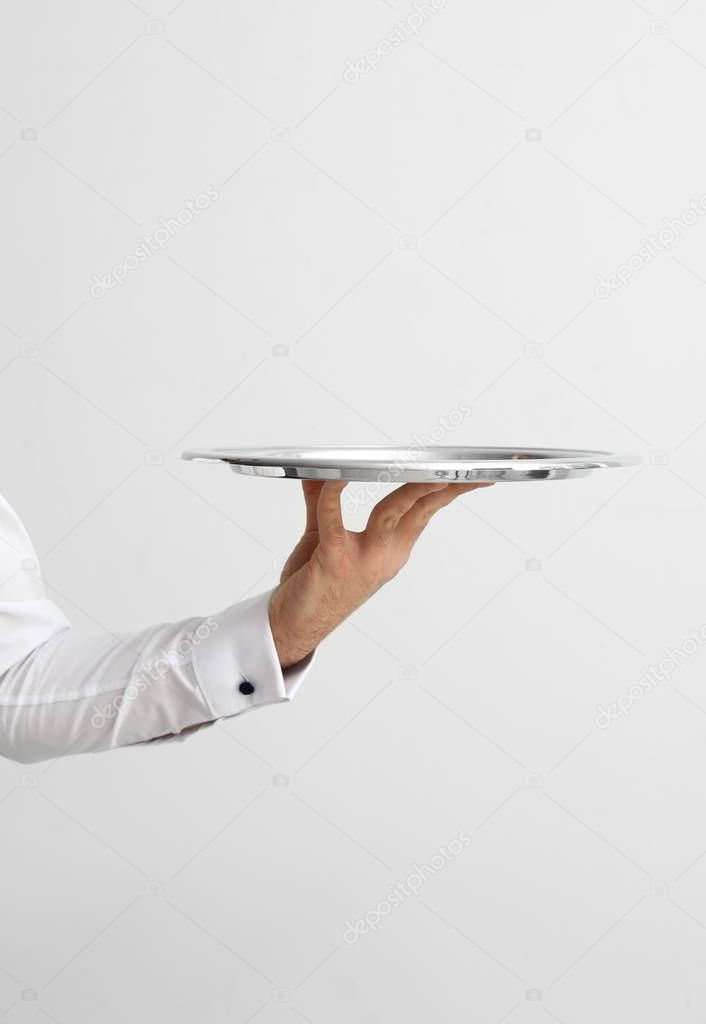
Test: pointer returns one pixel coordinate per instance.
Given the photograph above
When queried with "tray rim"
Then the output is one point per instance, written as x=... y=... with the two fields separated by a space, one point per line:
x=311 y=462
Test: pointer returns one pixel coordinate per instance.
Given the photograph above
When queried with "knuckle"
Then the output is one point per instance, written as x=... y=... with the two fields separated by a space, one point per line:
x=392 y=570
x=385 y=539
x=374 y=574
x=386 y=524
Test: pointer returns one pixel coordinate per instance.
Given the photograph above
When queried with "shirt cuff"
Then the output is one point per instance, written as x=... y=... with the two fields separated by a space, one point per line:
x=239 y=654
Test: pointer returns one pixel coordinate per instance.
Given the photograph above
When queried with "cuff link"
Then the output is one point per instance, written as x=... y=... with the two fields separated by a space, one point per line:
x=246 y=688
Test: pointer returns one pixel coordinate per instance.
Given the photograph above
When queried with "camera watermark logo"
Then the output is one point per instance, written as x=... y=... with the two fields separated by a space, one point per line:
x=411 y=886
x=651 y=247
x=652 y=676
x=148 y=245
x=155 y=671
x=400 y=32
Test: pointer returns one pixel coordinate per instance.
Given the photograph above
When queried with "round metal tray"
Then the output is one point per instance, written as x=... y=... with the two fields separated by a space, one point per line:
x=410 y=464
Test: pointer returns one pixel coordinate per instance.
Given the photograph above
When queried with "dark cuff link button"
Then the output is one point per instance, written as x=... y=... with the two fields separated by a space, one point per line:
x=246 y=688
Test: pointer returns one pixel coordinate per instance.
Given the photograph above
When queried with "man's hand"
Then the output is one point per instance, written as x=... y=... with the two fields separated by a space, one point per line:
x=332 y=571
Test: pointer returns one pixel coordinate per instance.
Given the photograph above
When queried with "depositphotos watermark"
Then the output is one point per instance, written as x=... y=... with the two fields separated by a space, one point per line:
x=409 y=455
x=652 y=676
x=157 y=242
x=401 y=891
x=400 y=32
x=152 y=672
x=651 y=247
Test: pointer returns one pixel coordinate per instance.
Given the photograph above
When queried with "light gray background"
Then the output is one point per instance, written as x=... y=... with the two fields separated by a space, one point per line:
x=412 y=248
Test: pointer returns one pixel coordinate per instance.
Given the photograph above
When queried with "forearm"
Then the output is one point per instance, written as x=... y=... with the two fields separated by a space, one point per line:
x=83 y=692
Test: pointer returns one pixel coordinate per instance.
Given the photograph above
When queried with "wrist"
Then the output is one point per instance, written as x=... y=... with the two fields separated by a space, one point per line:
x=290 y=644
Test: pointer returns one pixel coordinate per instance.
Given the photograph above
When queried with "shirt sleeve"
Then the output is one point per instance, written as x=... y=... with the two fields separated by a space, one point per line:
x=27 y=618
x=79 y=691
x=67 y=691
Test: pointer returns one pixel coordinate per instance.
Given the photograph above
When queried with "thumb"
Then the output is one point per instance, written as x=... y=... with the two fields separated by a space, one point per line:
x=311 y=489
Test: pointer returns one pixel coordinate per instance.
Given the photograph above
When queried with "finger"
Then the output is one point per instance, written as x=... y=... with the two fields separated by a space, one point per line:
x=414 y=521
x=330 y=517
x=312 y=490
x=384 y=518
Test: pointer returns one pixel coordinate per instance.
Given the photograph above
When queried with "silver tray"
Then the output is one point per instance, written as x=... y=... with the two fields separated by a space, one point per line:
x=411 y=464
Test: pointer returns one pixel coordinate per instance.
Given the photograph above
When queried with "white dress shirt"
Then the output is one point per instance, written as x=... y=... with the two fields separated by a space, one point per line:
x=67 y=691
